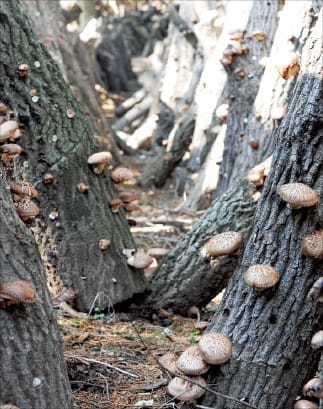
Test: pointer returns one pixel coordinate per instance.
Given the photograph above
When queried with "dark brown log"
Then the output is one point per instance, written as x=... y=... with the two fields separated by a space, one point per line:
x=57 y=142
x=32 y=368
x=271 y=330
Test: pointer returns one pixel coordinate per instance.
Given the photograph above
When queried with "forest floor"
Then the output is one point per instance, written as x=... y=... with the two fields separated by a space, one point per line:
x=112 y=355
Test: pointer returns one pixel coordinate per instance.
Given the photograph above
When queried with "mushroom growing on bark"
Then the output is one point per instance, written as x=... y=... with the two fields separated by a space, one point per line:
x=298 y=195
x=317 y=340
x=115 y=205
x=312 y=245
x=82 y=187
x=21 y=189
x=191 y=361
x=305 y=404
x=7 y=130
x=98 y=161
x=186 y=391
x=314 y=387
x=168 y=362
x=224 y=243
x=17 y=291
x=261 y=276
x=26 y=209
x=9 y=151
x=120 y=175
x=289 y=66
x=216 y=348
x=140 y=260
x=316 y=292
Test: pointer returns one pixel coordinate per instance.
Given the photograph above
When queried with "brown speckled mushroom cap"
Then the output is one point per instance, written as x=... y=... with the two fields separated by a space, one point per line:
x=122 y=174
x=305 y=404
x=9 y=151
x=261 y=276
x=312 y=245
x=186 y=391
x=23 y=188
x=140 y=260
x=224 y=243
x=314 y=387
x=27 y=208
x=191 y=361
x=168 y=361
x=317 y=340
x=216 y=348
x=18 y=291
x=127 y=196
x=298 y=195
x=115 y=204
x=98 y=161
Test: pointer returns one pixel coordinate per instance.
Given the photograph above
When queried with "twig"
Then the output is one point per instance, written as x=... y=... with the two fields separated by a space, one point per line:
x=81 y=358
x=139 y=336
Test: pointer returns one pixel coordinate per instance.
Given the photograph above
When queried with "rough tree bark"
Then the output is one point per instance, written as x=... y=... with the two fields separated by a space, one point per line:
x=76 y=60
x=185 y=268
x=59 y=142
x=252 y=117
x=32 y=367
x=271 y=331
x=182 y=73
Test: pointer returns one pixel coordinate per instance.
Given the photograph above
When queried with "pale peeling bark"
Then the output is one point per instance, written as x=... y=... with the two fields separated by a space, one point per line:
x=56 y=143
x=271 y=330
x=32 y=368
x=258 y=94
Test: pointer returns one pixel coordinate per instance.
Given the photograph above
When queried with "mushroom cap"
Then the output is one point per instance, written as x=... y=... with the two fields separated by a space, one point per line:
x=316 y=292
x=261 y=276
x=99 y=157
x=18 y=290
x=192 y=362
x=82 y=187
x=312 y=245
x=184 y=390
x=7 y=129
x=27 y=208
x=11 y=149
x=122 y=174
x=216 y=348
x=115 y=202
x=140 y=260
x=127 y=197
x=9 y=406
x=317 y=340
x=132 y=207
x=314 y=387
x=104 y=244
x=224 y=243
x=298 y=195
x=305 y=404
x=158 y=252
x=168 y=361
x=23 y=188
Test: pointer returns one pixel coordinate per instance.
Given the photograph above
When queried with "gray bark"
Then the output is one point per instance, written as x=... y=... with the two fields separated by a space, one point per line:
x=185 y=277
x=30 y=348
x=271 y=331
x=55 y=143
x=254 y=99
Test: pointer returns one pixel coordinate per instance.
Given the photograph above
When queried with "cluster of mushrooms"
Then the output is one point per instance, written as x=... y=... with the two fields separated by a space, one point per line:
x=216 y=348
x=128 y=201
